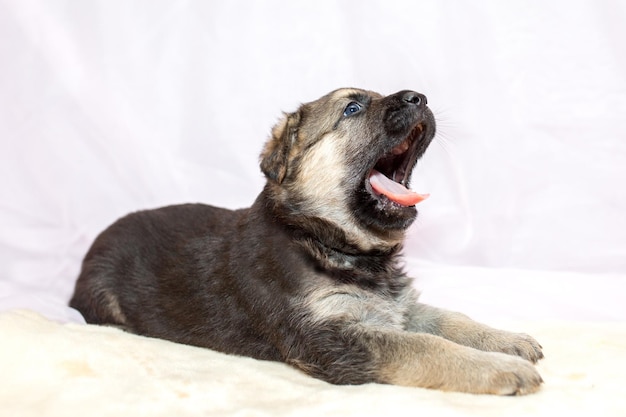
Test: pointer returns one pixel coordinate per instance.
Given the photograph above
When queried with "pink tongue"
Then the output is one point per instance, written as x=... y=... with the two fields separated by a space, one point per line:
x=394 y=191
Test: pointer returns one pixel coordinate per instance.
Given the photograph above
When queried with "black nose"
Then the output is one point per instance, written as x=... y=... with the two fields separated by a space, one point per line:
x=414 y=98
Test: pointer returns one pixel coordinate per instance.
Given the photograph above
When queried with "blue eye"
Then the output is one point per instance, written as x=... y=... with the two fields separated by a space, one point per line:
x=352 y=108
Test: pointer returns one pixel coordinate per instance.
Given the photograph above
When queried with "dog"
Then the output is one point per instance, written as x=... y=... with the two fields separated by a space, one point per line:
x=311 y=273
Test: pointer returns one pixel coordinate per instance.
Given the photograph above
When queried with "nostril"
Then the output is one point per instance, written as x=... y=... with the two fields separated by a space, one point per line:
x=414 y=98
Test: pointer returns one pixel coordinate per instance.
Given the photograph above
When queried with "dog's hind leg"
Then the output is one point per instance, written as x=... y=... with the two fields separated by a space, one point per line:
x=97 y=303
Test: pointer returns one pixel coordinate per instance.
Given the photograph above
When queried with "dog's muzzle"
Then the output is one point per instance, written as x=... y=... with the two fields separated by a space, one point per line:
x=390 y=175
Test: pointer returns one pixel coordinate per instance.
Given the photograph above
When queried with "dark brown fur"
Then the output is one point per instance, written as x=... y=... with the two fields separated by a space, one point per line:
x=310 y=274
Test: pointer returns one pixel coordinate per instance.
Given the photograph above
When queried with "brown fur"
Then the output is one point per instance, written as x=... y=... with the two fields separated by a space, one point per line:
x=310 y=274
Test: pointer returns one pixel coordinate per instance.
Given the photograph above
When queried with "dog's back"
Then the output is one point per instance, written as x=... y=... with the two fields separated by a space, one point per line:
x=138 y=275
x=132 y=247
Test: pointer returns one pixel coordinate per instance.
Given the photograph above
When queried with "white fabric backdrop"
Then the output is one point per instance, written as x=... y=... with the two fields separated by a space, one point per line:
x=112 y=106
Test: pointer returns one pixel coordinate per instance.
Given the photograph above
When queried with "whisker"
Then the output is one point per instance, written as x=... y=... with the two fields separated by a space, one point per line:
x=444 y=143
x=444 y=138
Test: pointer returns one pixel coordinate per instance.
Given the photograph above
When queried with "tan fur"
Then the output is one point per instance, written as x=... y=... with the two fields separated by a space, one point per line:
x=112 y=306
x=344 y=302
x=422 y=346
x=425 y=360
x=319 y=181
x=321 y=157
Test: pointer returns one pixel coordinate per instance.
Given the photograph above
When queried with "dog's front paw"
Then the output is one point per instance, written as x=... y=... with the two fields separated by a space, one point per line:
x=509 y=375
x=480 y=372
x=519 y=344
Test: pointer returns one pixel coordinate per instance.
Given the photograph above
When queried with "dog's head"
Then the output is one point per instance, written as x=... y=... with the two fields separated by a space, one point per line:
x=347 y=159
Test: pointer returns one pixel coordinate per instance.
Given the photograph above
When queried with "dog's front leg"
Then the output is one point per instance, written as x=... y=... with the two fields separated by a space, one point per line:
x=461 y=329
x=362 y=353
x=425 y=360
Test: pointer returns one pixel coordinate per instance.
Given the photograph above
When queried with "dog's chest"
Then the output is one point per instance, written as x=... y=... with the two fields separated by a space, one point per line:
x=350 y=304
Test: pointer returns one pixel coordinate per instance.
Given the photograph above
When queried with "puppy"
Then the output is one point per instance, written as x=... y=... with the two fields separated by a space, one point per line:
x=310 y=274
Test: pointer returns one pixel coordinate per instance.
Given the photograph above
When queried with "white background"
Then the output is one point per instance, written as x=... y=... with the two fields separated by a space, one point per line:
x=108 y=107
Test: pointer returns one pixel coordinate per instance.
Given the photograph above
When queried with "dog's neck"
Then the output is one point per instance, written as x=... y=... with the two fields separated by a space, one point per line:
x=328 y=246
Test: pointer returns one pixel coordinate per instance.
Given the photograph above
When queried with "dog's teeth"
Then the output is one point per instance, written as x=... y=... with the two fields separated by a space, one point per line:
x=401 y=148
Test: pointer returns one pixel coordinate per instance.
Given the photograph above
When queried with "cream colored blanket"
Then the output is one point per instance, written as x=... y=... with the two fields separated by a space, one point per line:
x=51 y=369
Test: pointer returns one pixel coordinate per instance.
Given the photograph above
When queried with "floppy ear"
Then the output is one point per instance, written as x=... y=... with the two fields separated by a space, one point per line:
x=275 y=155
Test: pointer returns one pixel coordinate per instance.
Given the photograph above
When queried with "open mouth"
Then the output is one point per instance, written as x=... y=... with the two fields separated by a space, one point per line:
x=390 y=176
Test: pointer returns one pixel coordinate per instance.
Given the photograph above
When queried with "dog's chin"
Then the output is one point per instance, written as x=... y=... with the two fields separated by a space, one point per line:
x=376 y=211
